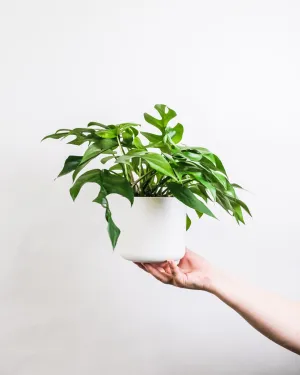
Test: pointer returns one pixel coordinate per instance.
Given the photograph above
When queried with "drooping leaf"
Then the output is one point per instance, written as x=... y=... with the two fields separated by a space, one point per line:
x=221 y=178
x=183 y=194
x=219 y=164
x=93 y=175
x=113 y=184
x=70 y=165
x=237 y=213
x=237 y=186
x=188 y=222
x=113 y=230
x=244 y=206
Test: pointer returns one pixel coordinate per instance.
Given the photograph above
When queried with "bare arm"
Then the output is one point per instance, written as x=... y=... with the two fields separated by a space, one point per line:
x=275 y=317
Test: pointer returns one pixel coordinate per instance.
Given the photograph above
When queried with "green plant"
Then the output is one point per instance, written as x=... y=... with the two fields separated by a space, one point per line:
x=161 y=168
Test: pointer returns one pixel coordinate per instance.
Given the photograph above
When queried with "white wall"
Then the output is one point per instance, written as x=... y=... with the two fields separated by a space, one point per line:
x=231 y=71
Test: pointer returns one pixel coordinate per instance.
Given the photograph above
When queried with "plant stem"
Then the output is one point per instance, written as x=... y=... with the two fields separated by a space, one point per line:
x=141 y=178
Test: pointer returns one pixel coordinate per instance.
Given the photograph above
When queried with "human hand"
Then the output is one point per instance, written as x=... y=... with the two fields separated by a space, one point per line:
x=192 y=272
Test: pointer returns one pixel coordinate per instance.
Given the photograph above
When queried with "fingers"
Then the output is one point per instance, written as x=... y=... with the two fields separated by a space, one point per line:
x=141 y=266
x=174 y=269
x=159 y=274
x=177 y=275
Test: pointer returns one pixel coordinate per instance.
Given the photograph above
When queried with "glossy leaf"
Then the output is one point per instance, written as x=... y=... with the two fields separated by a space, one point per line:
x=108 y=133
x=93 y=123
x=99 y=147
x=56 y=136
x=106 y=159
x=154 y=138
x=70 y=165
x=93 y=175
x=177 y=137
x=113 y=184
x=188 y=222
x=183 y=194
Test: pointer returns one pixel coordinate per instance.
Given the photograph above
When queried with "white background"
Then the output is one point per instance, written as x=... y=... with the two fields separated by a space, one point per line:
x=68 y=305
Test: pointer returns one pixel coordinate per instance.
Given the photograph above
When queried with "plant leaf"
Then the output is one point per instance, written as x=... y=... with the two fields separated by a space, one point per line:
x=70 y=165
x=177 y=137
x=244 y=206
x=56 y=136
x=153 y=138
x=219 y=164
x=113 y=184
x=93 y=123
x=98 y=147
x=183 y=194
x=108 y=133
x=79 y=169
x=188 y=222
x=160 y=164
x=106 y=159
x=93 y=175
x=138 y=143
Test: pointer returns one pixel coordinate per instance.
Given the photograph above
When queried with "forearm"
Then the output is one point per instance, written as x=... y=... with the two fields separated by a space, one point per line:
x=275 y=317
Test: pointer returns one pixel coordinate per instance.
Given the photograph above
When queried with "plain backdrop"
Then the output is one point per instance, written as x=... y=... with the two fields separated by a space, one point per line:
x=68 y=305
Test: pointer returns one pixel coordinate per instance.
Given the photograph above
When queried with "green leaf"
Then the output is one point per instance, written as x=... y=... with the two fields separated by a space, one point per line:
x=219 y=164
x=99 y=147
x=113 y=184
x=177 y=137
x=237 y=213
x=200 y=214
x=106 y=159
x=113 y=230
x=70 y=165
x=93 y=175
x=138 y=143
x=237 y=186
x=244 y=206
x=188 y=222
x=153 y=138
x=126 y=125
x=160 y=164
x=210 y=157
x=156 y=161
x=192 y=156
x=93 y=123
x=166 y=114
x=183 y=194
x=56 y=136
x=221 y=178
x=79 y=169
x=108 y=133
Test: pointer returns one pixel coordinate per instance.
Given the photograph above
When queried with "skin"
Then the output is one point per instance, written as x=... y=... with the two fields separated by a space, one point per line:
x=275 y=317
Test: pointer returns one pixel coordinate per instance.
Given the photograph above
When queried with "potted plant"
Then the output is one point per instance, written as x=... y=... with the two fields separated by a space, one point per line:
x=158 y=175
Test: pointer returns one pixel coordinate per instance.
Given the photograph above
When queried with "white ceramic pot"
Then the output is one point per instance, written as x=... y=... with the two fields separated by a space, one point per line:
x=152 y=230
